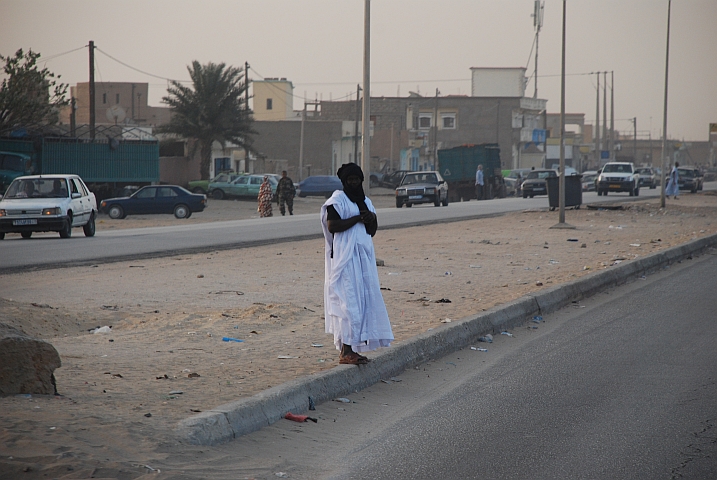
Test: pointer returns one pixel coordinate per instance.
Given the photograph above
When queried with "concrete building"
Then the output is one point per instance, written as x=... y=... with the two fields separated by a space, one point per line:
x=408 y=131
x=116 y=103
x=273 y=99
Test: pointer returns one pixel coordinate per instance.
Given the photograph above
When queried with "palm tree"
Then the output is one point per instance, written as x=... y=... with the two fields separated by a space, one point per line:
x=214 y=110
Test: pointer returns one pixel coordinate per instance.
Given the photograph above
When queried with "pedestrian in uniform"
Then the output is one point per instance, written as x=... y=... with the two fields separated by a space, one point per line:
x=354 y=310
x=479 y=182
x=285 y=193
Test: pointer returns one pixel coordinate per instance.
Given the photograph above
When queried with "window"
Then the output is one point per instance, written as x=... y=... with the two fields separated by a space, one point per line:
x=269 y=103
x=241 y=181
x=117 y=101
x=425 y=121
x=448 y=120
x=104 y=98
x=256 y=180
x=146 y=192
x=166 y=192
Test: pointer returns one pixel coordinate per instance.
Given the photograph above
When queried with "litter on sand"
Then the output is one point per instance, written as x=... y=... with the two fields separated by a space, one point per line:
x=479 y=349
x=506 y=333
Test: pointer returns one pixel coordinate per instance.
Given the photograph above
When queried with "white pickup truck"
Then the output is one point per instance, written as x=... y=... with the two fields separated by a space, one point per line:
x=47 y=203
x=618 y=177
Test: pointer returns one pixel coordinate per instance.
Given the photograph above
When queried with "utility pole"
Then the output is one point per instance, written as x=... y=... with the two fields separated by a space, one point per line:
x=597 y=124
x=92 y=89
x=537 y=23
x=366 y=144
x=301 y=141
x=356 y=123
x=664 y=116
x=612 y=115
x=634 y=143
x=435 y=132
x=604 y=111
x=73 y=116
x=246 y=108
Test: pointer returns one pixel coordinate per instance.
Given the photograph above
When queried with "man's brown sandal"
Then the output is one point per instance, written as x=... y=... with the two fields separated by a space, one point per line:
x=353 y=358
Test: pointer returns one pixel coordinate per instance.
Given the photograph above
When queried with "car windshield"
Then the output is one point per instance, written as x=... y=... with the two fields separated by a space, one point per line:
x=588 y=178
x=644 y=171
x=37 y=188
x=617 y=168
x=686 y=172
x=412 y=178
x=14 y=163
x=534 y=174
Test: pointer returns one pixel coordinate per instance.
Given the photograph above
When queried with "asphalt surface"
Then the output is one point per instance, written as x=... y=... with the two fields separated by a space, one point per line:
x=48 y=251
x=621 y=385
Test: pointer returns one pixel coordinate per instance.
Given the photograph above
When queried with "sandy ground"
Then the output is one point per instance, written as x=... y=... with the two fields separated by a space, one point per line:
x=123 y=392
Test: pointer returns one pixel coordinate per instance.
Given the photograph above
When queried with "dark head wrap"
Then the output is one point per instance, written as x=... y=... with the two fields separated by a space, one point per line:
x=355 y=194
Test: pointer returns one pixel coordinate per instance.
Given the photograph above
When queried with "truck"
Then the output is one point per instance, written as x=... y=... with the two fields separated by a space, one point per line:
x=458 y=167
x=106 y=165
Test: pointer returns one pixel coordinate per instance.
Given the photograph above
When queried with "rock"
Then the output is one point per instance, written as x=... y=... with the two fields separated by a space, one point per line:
x=26 y=363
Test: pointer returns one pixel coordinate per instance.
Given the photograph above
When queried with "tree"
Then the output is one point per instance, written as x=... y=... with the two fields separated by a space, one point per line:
x=29 y=97
x=214 y=110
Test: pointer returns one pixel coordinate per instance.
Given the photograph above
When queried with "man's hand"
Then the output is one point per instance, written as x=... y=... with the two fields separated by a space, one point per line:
x=368 y=217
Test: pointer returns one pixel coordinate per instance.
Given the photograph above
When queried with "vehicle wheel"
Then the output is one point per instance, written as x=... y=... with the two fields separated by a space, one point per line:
x=632 y=191
x=399 y=204
x=445 y=201
x=302 y=195
x=694 y=190
x=199 y=190
x=552 y=209
x=637 y=192
x=89 y=227
x=409 y=205
x=181 y=211
x=604 y=192
x=66 y=231
x=531 y=196
x=2 y=235
x=525 y=195
x=373 y=182
x=437 y=203
x=26 y=234
x=218 y=194
x=653 y=186
x=116 y=212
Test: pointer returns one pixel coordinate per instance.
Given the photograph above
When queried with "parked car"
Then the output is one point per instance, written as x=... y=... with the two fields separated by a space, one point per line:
x=510 y=186
x=422 y=187
x=618 y=177
x=242 y=186
x=535 y=183
x=156 y=199
x=648 y=177
x=319 y=186
x=690 y=178
x=588 y=180
x=47 y=203
x=393 y=179
x=202 y=186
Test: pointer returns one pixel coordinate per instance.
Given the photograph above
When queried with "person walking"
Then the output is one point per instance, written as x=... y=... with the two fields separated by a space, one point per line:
x=479 y=182
x=672 y=187
x=285 y=192
x=264 y=198
x=354 y=310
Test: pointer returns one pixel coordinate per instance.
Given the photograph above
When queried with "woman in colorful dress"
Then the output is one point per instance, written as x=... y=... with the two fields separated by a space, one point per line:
x=265 y=198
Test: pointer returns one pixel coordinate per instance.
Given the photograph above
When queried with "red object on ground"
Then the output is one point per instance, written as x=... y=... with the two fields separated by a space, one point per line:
x=296 y=418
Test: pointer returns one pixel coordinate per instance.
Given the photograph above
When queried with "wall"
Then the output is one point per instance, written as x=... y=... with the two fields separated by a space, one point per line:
x=498 y=82
x=280 y=91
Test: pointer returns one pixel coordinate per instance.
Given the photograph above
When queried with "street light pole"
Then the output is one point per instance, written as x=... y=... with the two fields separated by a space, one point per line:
x=664 y=115
x=561 y=177
x=366 y=133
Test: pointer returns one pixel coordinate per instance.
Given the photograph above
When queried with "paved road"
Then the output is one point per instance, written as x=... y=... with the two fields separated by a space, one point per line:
x=622 y=388
x=45 y=251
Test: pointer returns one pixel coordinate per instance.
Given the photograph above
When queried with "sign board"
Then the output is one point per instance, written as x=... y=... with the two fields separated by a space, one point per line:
x=604 y=154
x=538 y=135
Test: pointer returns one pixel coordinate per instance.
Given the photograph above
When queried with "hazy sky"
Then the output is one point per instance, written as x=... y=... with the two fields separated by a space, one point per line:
x=416 y=45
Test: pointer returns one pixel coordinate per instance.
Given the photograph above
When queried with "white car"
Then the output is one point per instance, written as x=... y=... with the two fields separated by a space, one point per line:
x=47 y=203
x=618 y=177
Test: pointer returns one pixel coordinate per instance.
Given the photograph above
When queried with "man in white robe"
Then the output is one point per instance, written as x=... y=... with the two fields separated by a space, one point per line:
x=353 y=305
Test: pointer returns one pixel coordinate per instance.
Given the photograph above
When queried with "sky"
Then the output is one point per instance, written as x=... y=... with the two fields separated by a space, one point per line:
x=416 y=45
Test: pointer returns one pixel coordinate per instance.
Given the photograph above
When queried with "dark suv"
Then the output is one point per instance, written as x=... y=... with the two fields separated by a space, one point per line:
x=690 y=178
x=422 y=187
x=535 y=182
x=648 y=177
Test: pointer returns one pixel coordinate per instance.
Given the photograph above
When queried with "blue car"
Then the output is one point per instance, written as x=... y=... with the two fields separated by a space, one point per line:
x=319 y=186
x=156 y=199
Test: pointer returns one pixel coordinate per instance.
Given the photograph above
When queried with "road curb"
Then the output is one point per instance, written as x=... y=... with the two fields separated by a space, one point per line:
x=241 y=417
